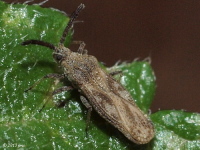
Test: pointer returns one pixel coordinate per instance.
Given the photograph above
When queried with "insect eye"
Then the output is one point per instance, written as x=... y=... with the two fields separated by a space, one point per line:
x=58 y=57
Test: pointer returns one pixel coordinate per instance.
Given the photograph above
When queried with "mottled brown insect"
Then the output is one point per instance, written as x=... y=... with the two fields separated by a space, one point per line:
x=99 y=91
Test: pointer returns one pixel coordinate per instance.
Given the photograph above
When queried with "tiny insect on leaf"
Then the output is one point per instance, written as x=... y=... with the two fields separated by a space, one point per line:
x=98 y=89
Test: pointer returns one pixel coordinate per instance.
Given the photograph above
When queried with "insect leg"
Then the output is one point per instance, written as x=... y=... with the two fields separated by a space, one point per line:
x=52 y=76
x=81 y=49
x=59 y=90
x=62 y=89
x=89 y=107
x=115 y=73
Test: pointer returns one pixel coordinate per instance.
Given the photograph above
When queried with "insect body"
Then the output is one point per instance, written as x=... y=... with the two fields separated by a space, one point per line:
x=99 y=91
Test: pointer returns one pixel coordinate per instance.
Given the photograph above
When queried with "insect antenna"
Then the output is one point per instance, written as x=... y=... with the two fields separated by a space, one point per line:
x=38 y=42
x=73 y=16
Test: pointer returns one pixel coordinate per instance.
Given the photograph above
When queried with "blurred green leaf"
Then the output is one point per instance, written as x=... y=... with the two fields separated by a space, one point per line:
x=22 y=126
x=176 y=130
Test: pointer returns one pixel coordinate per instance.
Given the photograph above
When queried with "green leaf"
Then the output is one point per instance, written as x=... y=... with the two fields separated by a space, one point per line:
x=22 y=126
x=176 y=130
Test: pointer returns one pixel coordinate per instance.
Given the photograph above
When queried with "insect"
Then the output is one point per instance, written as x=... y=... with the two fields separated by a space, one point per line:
x=98 y=89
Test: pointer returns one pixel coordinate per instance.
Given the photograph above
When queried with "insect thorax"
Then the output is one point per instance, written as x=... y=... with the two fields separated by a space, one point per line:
x=79 y=67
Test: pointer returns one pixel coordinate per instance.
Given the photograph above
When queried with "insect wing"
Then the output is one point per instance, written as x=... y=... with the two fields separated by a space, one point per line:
x=118 y=108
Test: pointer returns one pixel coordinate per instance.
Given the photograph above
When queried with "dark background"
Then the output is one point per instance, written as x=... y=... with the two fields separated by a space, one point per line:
x=167 y=31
